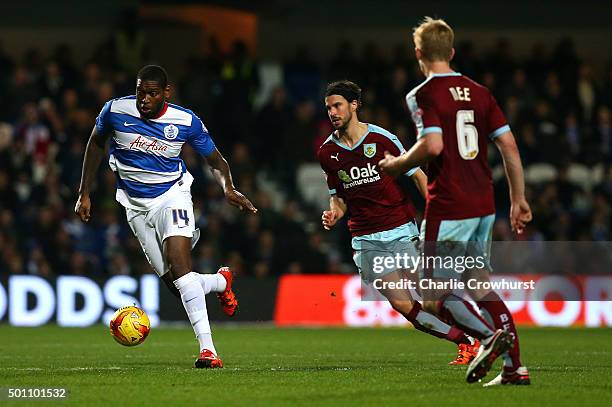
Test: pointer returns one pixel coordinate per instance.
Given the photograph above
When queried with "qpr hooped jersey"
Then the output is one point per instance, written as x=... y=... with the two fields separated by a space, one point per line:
x=376 y=202
x=144 y=154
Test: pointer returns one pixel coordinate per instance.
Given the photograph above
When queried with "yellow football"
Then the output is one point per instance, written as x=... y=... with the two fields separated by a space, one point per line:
x=130 y=325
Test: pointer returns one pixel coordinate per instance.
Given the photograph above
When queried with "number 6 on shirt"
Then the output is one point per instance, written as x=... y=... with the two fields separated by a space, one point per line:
x=467 y=135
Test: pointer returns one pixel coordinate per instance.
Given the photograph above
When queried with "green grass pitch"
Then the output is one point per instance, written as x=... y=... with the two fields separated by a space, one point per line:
x=266 y=365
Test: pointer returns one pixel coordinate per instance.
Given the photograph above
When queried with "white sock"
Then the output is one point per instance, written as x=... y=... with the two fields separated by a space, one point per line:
x=431 y=322
x=466 y=316
x=215 y=283
x=194 y=301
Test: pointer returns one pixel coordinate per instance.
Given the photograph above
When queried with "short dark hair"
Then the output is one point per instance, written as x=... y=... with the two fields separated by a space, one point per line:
x=347 y=89
x=153 y=73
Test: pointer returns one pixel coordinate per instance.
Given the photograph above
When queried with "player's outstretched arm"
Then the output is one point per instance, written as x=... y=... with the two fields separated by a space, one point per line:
x=337 y=209
x=94 y=152
x=520 y=212
x=420 y=180
x=424 y=150
x=221 y=171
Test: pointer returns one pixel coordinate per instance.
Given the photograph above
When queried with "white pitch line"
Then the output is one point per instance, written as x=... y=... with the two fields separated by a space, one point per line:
x=69 y=369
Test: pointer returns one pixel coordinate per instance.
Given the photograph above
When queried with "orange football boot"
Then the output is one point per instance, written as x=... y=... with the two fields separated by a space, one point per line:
x=227 y=298
x=208 y=360
x=466 y=353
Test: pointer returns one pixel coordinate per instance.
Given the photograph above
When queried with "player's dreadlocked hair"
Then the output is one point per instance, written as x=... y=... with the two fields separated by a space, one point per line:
x=347 y=89
x=153 y=73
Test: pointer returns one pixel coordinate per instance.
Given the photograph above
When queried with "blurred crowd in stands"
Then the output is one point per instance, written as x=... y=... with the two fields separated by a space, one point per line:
x=557 y=104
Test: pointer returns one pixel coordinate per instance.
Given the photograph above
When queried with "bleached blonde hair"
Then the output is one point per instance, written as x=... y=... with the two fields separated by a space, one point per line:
x=434 y=37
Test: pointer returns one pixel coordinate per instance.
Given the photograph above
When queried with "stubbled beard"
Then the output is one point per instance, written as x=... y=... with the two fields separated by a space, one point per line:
x=344 y=124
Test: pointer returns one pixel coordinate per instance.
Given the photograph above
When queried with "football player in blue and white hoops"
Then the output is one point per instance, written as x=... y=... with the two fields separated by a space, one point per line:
x=146 y=137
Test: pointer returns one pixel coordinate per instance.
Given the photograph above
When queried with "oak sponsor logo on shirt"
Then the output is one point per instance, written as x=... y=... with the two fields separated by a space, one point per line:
x=359 y=175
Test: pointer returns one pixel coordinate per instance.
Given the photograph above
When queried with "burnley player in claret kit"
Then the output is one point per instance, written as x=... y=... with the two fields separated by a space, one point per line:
x=380 y=213
x=455 y=119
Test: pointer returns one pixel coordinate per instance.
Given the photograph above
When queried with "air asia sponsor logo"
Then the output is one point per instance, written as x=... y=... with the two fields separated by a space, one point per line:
x=359 y=175
x=146 y=145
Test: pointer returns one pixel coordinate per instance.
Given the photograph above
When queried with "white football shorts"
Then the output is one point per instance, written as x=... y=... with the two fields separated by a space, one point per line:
x=173 y=217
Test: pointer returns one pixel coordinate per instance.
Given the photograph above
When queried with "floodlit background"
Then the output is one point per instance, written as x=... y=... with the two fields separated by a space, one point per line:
x=255 y=73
